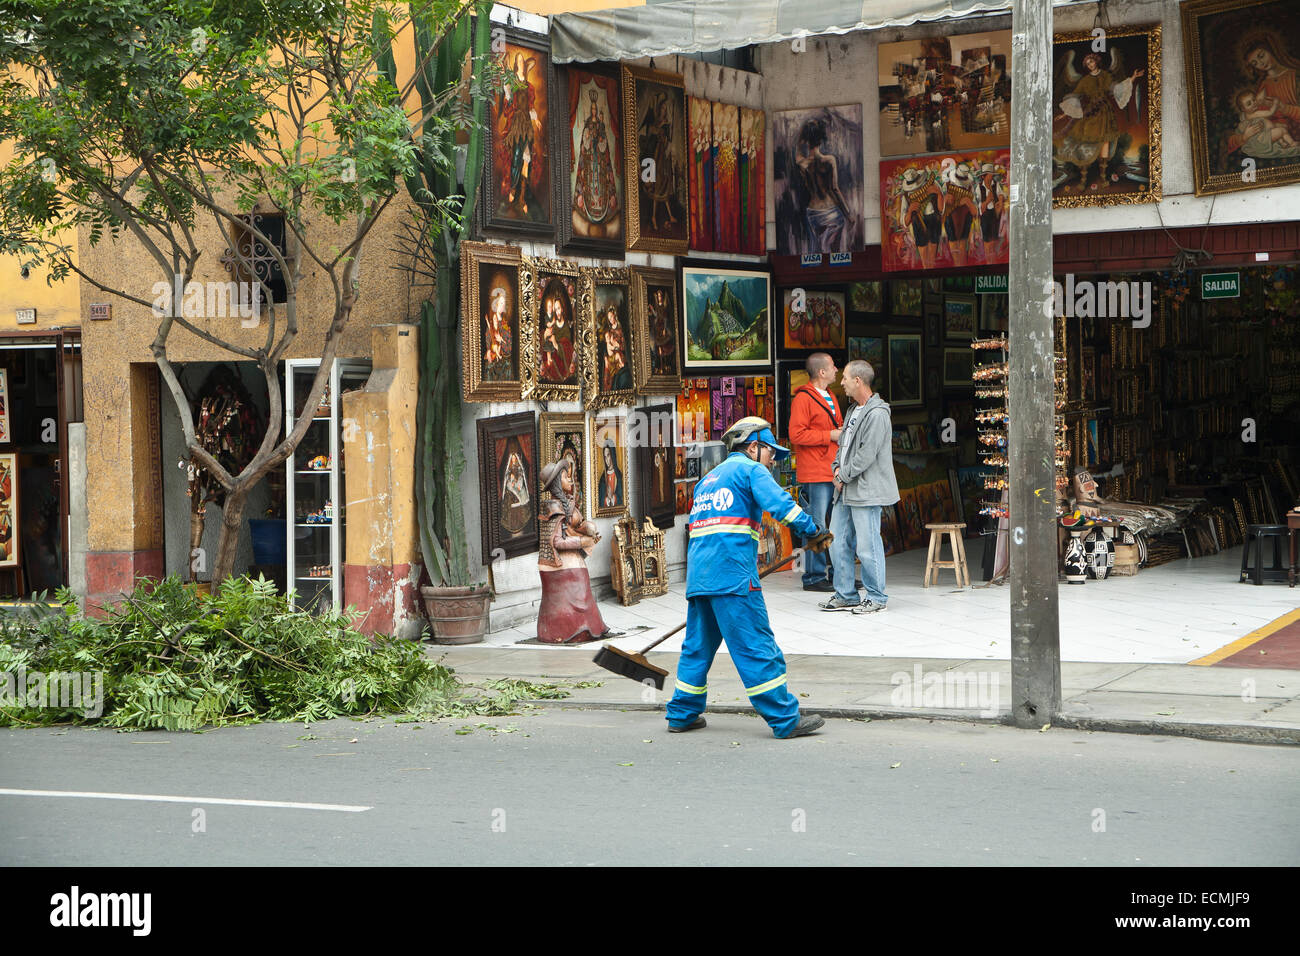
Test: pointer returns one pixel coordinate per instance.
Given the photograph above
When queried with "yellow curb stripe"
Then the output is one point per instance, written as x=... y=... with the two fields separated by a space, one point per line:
x=1254 y=637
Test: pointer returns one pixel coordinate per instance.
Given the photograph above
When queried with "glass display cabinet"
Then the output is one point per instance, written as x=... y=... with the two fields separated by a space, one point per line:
x=315 y=485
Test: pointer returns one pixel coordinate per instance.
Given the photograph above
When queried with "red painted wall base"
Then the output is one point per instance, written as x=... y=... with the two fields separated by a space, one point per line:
x=388 y=595
x=110 y=573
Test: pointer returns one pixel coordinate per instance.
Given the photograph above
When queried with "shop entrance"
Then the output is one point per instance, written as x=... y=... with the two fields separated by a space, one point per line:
x=40 y=393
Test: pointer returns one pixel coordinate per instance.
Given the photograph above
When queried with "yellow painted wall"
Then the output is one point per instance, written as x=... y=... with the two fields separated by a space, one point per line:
x=57 y=306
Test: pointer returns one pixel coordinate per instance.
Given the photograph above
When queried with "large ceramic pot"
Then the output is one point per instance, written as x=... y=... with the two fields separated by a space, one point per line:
x=1076 y=562
x=457 y=615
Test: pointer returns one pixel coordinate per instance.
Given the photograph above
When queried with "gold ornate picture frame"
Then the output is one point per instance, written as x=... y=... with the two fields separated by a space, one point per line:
x=491 y=290
x=607 y=441
x=564 y=434
x=552 y=331
x=655 y=325
x=608 y=358
x=1089 y=120
x=1232 y=48
x=654 y=124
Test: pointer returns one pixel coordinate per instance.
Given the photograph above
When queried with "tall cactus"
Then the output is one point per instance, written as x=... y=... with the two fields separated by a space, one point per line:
x=440 y=457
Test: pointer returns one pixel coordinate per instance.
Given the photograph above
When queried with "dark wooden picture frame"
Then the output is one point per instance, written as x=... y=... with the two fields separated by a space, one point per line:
x=509 y=525
x=608 y=429
x=692 y=311
x=519 y=45
x=574 y=80
x=655 y=462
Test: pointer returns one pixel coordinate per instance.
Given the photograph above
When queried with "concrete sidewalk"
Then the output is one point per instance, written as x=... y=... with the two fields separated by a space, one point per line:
x=1248 y=705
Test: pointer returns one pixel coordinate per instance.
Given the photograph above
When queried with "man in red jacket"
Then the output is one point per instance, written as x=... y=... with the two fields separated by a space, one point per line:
x=815 y=426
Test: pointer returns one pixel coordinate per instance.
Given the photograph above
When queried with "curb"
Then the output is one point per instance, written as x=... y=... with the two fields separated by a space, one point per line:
x=1225 y=733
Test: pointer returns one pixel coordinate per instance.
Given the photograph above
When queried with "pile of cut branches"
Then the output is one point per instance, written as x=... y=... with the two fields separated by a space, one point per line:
x=169 y=658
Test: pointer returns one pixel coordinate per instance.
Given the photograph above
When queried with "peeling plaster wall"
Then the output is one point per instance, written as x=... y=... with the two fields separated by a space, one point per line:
x=117 y=481
x=842 y=69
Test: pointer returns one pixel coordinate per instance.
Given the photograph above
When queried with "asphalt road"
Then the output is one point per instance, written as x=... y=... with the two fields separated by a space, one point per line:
x=575 y=788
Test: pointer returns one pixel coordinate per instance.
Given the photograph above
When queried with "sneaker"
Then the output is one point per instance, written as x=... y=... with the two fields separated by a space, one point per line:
x=698 y=724
x=837 y=603
x=868 y=607
x=823 y=586
x=808 y=723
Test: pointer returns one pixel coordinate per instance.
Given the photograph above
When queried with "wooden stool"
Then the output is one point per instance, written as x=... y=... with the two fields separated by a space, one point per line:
x=958 y=563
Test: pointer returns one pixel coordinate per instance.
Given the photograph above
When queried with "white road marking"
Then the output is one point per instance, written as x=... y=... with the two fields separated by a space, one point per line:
x=161 y=798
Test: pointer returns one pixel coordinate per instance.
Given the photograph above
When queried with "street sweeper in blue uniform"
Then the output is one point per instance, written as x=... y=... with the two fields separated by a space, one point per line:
x=724 y=601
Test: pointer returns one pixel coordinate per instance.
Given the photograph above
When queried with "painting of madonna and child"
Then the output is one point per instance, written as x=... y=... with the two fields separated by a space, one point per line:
x=1243 y=81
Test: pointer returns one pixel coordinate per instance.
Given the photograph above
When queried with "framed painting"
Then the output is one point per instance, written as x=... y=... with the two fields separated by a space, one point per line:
x=958 y=364
x=565 y=436
x=521 y=143
x=9 y=527
x=693 y=411
x=869 y=348
x=906 y=297
x=726 y=318
x=1106 y=118
x=592 y=195
x=817 y=179
x=654 y=120
x=608 y=442
x=904 y=371
x=507 y=466
x=812 y=319
x=995 y=312
x=726 y=404
x=489 y=327
x=5 y=435
x=942 y=212
x=943 y=93
x=655 y=331
x=552 y=331
x=959 y=317
x=608 y=350
x=655 y=457
x=867 y=297
x=1243 y=96
x=933 y=325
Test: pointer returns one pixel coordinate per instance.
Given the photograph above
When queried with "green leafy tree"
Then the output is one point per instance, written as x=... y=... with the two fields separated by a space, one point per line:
x=148 y=118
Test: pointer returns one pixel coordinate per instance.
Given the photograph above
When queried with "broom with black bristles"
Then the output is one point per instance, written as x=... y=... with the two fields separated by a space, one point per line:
x=636 y=667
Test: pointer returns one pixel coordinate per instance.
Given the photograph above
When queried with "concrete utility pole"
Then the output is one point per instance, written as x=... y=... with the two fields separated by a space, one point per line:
x=1035 y=615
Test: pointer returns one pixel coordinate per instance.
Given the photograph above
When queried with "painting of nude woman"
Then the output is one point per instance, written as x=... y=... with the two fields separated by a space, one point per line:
x=817 y=179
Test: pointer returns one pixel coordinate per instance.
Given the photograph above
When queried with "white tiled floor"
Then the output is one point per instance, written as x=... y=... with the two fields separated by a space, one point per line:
x=1171 y=614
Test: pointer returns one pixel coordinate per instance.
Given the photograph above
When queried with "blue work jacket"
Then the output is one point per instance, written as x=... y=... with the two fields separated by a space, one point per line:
x=729 y=503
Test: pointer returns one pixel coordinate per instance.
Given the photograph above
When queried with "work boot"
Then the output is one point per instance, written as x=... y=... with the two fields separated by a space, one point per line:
x=807 y=724
x=697 y=724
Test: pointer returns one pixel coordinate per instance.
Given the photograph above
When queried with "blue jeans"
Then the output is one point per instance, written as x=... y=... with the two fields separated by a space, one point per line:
x=741 y=620
x=817 y=497
x=857 y=529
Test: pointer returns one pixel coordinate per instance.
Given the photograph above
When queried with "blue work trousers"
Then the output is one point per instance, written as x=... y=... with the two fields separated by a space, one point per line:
x=817 y=496
x=857 y=529
x=740 y=620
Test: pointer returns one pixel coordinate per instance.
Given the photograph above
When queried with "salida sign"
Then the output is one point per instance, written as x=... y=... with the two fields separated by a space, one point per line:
x=1220 y=285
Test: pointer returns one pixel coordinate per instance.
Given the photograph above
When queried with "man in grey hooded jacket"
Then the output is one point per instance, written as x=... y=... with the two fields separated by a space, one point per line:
x=864 y=483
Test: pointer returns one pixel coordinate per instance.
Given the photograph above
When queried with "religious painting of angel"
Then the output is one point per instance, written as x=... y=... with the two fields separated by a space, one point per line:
x=1106 y=117
x=1243 y=92
x=518 y=188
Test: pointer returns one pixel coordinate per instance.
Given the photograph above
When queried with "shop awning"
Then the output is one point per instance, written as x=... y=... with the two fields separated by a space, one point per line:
x=700 y=26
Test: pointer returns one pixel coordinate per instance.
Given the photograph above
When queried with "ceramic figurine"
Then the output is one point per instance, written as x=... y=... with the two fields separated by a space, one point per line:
x=568 y=614
x=1076 y=562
